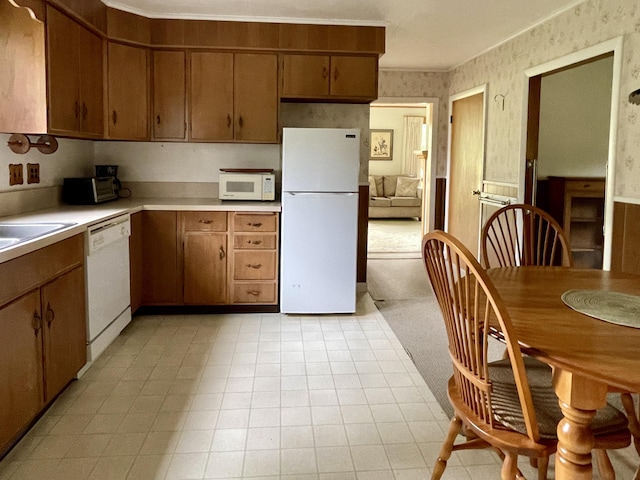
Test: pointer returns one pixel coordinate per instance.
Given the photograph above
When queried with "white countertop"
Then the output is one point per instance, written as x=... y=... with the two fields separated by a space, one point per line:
x=86 y=215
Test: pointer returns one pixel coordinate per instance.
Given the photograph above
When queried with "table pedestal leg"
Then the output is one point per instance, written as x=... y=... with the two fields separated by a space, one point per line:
x=579 y=400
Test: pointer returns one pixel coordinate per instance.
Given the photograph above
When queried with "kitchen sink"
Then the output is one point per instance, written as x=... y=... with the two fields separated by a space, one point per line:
x=14 y=233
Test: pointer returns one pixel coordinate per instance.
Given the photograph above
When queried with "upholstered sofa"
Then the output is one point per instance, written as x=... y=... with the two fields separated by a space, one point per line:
x=394 y=196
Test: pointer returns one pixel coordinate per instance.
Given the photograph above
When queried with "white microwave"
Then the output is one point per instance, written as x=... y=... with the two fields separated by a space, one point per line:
x=247 y=186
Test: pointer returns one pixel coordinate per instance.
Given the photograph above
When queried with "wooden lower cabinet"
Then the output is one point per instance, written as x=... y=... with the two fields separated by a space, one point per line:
x=205 y=268
x=255 y=258
x=21 y=383
x=43 y=324
x=161 y=283
x=63 y=324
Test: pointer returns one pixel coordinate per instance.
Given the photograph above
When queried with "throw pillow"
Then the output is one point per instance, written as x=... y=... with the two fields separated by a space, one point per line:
x=379 y=186
x=373 y=191
x=407 y=187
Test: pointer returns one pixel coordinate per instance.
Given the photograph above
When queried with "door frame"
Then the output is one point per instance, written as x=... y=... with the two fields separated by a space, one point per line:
x=614 y=46
x=459 y=96
x=428 y=201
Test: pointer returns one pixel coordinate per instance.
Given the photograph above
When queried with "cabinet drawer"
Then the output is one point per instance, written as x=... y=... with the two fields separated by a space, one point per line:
x=252 y=265
x=255 y=222
x=584 y=186
x=205 y=221
x=254 y=292
x=253 y=241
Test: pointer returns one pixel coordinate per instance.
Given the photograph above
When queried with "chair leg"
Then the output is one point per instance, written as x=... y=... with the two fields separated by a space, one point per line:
x=509 y=466
x=634 y=423
x=447 y=447
x=543 y=466
x=604 y=465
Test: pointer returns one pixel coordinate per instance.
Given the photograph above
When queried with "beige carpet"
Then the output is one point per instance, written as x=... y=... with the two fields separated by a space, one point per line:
x=394 y=238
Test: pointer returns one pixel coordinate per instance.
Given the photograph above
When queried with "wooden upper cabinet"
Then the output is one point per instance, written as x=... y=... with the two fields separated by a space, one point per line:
x=335 y=77
x=234 y=97
x=211 y=96
x=354 y=77
x=75 y=60
x=128 y=110
x=305 y=75
x=169 y=95
x=256 y=97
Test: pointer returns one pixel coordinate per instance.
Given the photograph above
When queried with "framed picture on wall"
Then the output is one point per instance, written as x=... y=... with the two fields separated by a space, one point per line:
x=381 y=145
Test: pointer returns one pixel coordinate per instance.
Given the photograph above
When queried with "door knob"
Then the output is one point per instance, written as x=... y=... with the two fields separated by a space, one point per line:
x=475 y=192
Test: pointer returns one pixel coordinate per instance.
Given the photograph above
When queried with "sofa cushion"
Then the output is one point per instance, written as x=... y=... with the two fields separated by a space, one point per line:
x=373 y=190
x=389 y=182
x=407 y=187
x=405 y=201
x=379 y=202
x=378 y=179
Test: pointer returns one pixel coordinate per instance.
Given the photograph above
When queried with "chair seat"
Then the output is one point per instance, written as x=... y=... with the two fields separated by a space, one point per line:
x=508 y=412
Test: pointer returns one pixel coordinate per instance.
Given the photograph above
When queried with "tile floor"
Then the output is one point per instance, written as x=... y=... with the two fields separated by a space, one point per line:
x=250 y=397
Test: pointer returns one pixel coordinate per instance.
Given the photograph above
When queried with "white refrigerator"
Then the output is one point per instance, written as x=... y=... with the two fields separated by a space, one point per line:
x=320 y=168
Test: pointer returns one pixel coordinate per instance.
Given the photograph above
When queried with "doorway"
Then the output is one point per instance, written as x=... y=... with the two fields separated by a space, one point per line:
x=553 y=158
x=407 y=127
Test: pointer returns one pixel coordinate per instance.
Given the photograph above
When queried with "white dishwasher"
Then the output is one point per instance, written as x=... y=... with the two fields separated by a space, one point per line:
x=108 y=290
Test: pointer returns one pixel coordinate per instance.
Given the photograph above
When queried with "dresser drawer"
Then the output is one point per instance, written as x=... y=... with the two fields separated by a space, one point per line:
x=255 y=292
x=254 y=265
x=245 y=241
x=252 y=222
x=586 y=186
x=204 y=221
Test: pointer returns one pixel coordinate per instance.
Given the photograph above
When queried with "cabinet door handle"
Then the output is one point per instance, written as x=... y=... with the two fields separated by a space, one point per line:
x=114 y=117
x=254 y=242
x=222 y=253
x=325 y=72
x=50 y=315
x=257 y=224
x=158 y=119
x=255 y=293
x=240 y=121
x=228 y=121
x=85 y=111
x=254 y=265
x=36 y=322
x=206 y=222
x=336 y=73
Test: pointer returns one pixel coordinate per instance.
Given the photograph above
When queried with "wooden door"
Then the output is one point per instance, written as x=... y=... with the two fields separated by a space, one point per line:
x=64 y=327
x=305 y=75
x=20 y=366
x=211 y=96
x=169 y=95
x=466 y=170
x=354 y=76
x=91 y=83
x=533 y=136
x=161 y=280
x=256 y=97
x=63 y=73
x=205 y=268
x=135 y=261
x=128 y=92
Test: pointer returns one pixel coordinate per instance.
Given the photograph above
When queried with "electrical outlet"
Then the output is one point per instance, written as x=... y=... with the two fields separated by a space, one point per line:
x=33 y=173
x=15 y=174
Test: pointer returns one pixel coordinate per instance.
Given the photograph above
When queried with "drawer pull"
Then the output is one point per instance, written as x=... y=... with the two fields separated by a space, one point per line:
x=222 y=253
x=206 y=222
x=255 y=293
x=254 y=265
x=257 y=225
x=254 y=242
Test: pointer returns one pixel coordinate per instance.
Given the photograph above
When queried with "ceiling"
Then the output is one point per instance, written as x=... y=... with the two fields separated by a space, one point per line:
x=420 y=34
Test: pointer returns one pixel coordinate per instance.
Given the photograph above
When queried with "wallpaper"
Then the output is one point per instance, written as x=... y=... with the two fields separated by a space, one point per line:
x=422 y=84
x=502 y=69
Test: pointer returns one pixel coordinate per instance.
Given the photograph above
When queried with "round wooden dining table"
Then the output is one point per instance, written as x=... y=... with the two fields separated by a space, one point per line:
x=588 y=355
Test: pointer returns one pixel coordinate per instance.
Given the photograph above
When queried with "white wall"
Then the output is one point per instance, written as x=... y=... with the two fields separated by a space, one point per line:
x=387 y=117
x=73 y=158
x=575 y=109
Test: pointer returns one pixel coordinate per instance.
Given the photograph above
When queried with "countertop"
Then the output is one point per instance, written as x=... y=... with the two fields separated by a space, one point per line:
x=84 y=216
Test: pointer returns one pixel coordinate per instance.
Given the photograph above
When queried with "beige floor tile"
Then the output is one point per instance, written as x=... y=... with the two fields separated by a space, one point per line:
x=149 y=467
x=224 y=465
x=298 y=460
x=184 y=466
